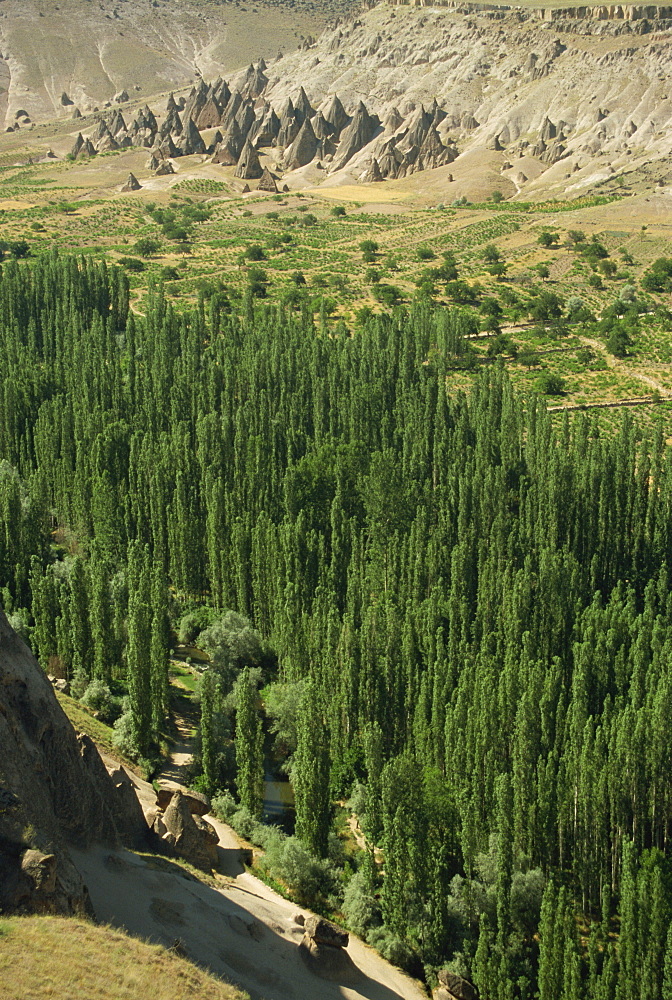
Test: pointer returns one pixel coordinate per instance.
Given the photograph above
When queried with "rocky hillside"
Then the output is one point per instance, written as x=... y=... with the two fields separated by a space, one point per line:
x=91 y=51
x=573 y=99
x=55 y=792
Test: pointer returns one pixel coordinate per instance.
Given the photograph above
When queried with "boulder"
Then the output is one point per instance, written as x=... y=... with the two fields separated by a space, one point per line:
x=324 y=932
x=121 y=97
x=198 y=802
x=457 y=987
x=164 y=169
x=190 y=840
x=333 y=964
x=65 y=100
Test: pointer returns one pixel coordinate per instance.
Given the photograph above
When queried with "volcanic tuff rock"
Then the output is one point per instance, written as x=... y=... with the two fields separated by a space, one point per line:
x=506 y=76
x=249 y=167
x=54 y=791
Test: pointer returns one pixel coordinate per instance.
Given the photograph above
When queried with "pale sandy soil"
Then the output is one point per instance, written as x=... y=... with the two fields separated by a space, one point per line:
x=242 y=930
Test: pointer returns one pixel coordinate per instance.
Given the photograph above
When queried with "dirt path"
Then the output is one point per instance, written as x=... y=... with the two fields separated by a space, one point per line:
x=239 y=927
x=619 y=365
x=174 y=773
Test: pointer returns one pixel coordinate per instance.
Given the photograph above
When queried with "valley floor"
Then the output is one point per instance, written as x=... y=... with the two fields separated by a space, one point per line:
x=240 y=929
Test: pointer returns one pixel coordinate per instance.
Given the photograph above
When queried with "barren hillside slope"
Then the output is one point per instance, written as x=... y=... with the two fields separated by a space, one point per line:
x=574 y=100
x=90 y=51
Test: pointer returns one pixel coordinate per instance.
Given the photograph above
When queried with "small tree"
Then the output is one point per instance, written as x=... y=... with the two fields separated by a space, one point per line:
x=548 y=239
x=549 y=384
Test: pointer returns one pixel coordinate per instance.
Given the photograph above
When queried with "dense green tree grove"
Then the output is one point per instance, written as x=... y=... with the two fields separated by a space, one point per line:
x=477 y=600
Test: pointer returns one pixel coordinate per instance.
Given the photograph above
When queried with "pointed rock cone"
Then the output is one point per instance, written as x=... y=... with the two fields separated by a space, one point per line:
x=419 y=127
x=65 y=100
x=265 y=131
x=233 y=141
x=303 y=149
x=267 y=182
x=88 y=149
x=171 y=125
x=302 y=106
x=232 y=109
x=245 y=119
x=171 y=105
x=256 y=84
x=76 y=113
x=167 y=149
x=548 y=130
x=150 y=118
x=225 y=154
x=437 y=113
x=191 y=139
x=394 y=120
x=210 y=114
x=117 y=124
x=358 y=134
x=373 y=174
x=246 y=189
x=321 y=127
x=196 y=101
x=248 y=167
x=100 y=131
x=222 y=94
x=289 y=129
x=132 y=184
x=336 y=114
x=107 y=143
x=78 y=145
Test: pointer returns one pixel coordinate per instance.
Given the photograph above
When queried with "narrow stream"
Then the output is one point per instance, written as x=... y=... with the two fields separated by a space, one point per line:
x=278 y=807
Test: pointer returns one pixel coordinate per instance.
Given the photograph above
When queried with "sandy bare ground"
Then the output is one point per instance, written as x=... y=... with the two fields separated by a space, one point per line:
x=242 y=931
x=174 y=772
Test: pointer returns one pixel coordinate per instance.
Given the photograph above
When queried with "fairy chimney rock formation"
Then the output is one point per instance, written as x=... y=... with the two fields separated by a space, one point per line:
x=248 y=167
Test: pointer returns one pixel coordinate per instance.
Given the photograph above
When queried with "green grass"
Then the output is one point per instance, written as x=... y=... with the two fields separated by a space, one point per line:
x=83 y=722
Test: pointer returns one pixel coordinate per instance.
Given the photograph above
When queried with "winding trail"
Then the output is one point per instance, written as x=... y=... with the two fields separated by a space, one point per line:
x=174 y=773
x=230 y=922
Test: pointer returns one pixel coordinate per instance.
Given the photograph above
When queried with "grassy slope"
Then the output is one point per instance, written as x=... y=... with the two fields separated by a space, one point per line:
x=47 y=957
x=83 y=722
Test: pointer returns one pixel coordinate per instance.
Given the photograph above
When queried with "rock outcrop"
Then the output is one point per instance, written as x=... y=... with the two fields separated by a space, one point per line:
x=190 y=837
x=248 y=167
x=454 y=987
x=323 y=950
x=54 y=792
x=132 y=184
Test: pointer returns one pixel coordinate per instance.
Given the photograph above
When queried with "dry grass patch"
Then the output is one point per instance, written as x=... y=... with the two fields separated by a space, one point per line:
x=70 y=959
